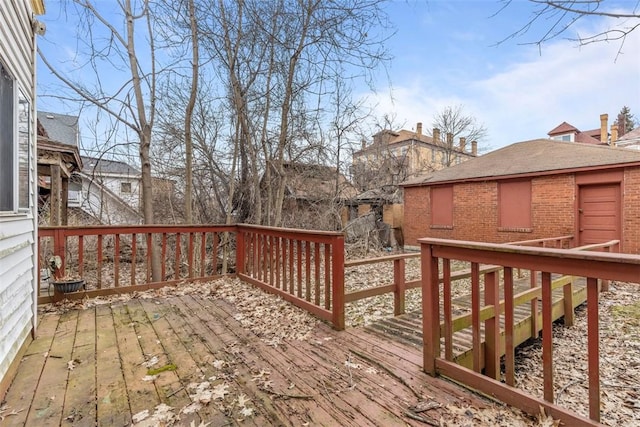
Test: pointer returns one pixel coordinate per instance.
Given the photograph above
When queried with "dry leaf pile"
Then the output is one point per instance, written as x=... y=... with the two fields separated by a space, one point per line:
x=619 y=359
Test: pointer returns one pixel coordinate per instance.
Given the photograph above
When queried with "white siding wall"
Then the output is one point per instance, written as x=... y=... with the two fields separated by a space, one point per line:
x=114 y=184
x=18 y=231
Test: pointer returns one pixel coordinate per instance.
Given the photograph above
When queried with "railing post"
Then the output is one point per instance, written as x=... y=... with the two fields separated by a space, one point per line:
x=60 y=249
x=240 y=251
x=430 y=309
x=604 y=282
x=492 y=327
x=593 y=345
x=547 y=336
x=399 y=289
x=338 y=282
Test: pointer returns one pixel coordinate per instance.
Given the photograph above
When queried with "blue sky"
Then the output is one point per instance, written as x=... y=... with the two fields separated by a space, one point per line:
x=446 y=53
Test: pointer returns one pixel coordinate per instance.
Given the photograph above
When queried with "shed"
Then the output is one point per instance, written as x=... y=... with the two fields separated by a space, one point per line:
x=529 y=190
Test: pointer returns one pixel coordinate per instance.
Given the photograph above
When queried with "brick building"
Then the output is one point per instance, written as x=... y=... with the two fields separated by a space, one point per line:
x=530 y=190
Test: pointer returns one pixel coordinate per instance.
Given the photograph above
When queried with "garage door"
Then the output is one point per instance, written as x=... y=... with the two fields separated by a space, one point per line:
x=599 y=213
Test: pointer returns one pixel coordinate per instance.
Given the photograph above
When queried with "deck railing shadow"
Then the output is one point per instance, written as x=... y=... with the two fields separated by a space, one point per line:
x=485 y=373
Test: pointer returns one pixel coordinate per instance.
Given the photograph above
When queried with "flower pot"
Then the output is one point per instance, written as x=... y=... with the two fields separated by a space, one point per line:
x=66 y=286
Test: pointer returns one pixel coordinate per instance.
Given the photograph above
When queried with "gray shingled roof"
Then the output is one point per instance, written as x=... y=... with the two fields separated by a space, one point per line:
x=536 y=156
x=60 y=127
x=93 y=165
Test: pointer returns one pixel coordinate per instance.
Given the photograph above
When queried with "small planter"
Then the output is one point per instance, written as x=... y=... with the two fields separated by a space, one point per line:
x=66 y=286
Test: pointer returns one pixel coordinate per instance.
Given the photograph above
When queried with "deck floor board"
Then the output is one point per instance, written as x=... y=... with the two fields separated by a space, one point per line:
x=350 y=378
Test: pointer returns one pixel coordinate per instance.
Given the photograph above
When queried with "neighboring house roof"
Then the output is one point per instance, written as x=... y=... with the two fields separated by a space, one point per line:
x=387 y=194
x=585 y=138
x=402 y=137
x=97 y=166
x=315 y=182
x=633 y=135
x=563 y=127
x=588 y=137
x=539 y=156
x=60 y=127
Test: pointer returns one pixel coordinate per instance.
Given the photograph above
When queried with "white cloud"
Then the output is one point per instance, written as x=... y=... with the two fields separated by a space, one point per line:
x=525 y=100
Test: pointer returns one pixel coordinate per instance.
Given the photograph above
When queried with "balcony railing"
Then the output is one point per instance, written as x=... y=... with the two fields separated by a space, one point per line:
x=437 y=254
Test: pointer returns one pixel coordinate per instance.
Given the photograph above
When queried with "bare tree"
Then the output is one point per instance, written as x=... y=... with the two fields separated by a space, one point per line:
x=559 y=16
x=455 y=121
x=276 y=61
x=108 y=46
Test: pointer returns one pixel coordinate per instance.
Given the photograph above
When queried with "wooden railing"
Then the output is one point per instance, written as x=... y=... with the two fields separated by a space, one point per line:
x=303 y=267
x=590 y=265
x=119 y=259
x=400 y=284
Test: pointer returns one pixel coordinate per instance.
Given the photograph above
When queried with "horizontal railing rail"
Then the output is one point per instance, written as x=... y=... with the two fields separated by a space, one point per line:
x=559 y=242
x=119 y=259
x=400 y=285
x=437 y=254
x=304 y=267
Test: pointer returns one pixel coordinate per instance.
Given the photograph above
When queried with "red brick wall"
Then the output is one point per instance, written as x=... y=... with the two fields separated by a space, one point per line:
x=631 y=211
x=553 y=203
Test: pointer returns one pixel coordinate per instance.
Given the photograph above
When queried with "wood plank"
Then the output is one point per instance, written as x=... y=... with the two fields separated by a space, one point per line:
x=20 y=395
x=170 y=389
x=220 y=342
x=327 y=362
x=112 y=397
x=199 y=353
x=80 y=399
x=316 y=411
x=142 y=394
x=49 y=396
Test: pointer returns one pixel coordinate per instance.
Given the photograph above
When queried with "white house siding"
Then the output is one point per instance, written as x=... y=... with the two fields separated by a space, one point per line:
x=18 y=230
x=114 y=183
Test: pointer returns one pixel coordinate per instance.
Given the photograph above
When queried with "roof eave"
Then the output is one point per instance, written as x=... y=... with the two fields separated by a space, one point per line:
x=523 y=175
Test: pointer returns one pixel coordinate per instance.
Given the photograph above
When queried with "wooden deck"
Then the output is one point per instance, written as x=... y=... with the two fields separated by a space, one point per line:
x=407 y=328
x=86 y=367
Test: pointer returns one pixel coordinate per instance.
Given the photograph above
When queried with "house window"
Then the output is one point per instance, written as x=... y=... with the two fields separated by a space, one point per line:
x=7 y=143
x=514 y=201
x=24 y=136
x=442 y=207
x=125 y=187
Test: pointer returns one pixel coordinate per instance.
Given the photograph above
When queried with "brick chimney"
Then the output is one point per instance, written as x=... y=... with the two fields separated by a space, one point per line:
x=463 y=144
x=604 y=136
x=419 y=128
x=449 y=139
x=436 y=135
x=474 y=148
x=614 y=134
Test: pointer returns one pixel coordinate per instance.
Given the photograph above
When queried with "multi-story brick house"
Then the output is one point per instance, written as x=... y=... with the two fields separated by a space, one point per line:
x=530 y=190
x=393 y=157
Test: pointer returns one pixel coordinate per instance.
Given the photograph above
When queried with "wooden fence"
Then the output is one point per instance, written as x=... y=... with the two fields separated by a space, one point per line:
x=303 y=267
x=120 y=259
x=589 y=265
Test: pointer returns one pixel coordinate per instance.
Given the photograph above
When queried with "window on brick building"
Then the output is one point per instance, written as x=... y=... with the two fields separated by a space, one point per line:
x=514 y=205
x=442 y=206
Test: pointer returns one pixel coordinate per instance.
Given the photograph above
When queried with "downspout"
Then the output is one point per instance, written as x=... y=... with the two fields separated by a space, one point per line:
x=34 y=183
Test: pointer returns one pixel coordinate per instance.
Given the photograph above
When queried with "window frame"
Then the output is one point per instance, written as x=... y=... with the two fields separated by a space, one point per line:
x=441 y=200
x=512 y=206
x=15 y=191
x=123 y=184
x=8 y=141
